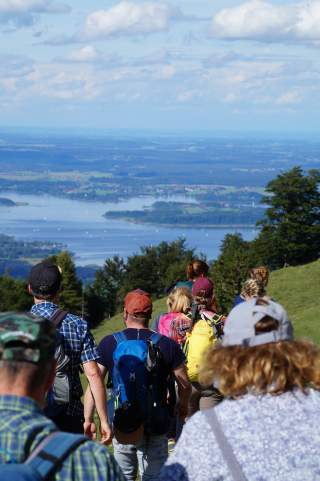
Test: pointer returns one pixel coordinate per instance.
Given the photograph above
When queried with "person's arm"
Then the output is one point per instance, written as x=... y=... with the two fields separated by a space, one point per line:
x=95 y=397
x=184 y=389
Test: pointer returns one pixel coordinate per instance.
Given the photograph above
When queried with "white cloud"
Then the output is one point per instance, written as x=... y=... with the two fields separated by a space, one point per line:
x=188 y=96
x=84 y=54
x=288 y=98
x=264 y=21
x=230 y=98
x=129 y=18
x=165 y=72
x=23 y=13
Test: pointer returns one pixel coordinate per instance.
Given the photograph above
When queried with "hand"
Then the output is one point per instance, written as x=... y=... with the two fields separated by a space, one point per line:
x=90 y=430
x=106 y=433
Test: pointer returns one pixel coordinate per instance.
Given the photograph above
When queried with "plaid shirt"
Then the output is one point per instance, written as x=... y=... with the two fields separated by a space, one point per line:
x=23 y=426
x=179 y=327
x=78 y=344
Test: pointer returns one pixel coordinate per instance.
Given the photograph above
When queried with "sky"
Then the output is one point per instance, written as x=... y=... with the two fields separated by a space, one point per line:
x=167 y=65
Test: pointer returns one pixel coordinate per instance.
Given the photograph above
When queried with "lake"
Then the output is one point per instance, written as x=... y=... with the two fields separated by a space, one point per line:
x=92 y=238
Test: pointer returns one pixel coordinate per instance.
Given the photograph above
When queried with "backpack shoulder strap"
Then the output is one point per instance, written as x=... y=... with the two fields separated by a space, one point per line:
x=58 y=317
x=53 y=450
x=120 y=337
x=215 y=322
x=155 y=338
x=235 y=469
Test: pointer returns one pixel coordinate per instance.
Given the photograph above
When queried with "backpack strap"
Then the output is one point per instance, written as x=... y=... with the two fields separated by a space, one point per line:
x=119 y=337
x=155 y=338
x=52 y=451
x=57 y=317
x=235 y=469
x=215 y=322
x=194 y=315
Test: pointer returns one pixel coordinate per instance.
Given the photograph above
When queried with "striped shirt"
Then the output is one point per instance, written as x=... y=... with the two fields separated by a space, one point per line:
x=23 y=426
x=78 y=344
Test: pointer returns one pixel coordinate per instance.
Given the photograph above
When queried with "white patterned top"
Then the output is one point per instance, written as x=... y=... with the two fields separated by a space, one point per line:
x=274 y=438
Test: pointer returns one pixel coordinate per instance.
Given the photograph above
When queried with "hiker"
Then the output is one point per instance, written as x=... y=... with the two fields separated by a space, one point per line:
x=267 y=427
x=140 y=362
x=251 y=288
x=254 y=286
x=205 y=330
x=80 y=349
x=195 y=269
x=177 y=321
x=175 y=324
x=31 y=447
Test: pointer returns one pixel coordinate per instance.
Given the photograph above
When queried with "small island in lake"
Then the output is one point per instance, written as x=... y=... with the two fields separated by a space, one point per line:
x=178 y=214
x=4 y=202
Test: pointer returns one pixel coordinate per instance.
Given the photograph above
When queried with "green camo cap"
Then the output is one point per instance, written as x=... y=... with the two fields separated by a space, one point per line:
x=26 y=338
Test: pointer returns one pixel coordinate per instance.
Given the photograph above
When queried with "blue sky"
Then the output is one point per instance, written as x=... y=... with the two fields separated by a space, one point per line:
x=169 y=65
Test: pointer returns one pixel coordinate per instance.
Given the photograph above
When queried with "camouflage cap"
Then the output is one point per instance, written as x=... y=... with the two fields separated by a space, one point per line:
x=26 y=338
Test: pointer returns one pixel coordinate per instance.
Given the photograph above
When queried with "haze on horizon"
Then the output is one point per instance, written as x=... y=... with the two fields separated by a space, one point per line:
x=240 y=65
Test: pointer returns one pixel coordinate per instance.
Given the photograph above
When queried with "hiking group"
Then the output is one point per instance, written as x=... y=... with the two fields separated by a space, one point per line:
x=234 y=397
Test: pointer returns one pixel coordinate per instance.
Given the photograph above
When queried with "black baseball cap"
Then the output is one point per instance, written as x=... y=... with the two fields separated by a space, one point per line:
x=45 y=279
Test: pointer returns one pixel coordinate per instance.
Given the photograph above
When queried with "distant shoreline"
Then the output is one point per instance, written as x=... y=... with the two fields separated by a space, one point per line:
x=184 y=226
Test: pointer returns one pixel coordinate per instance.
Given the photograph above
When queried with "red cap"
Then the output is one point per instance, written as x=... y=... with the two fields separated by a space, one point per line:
x=202 y=286
x=138 y=302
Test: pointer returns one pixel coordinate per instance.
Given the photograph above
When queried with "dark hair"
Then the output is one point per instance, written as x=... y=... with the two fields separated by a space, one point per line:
x=266 y=324
x=44 y=297
x=33 y=374
x=197 y=268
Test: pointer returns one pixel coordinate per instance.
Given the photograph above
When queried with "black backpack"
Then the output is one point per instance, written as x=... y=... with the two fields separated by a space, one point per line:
x=59 y=395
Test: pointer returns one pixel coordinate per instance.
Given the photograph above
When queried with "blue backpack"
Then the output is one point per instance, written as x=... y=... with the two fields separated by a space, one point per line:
x=139 y=385
x=44 y=460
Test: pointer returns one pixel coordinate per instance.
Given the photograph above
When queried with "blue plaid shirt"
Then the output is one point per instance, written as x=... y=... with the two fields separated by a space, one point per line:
x=78 y=344
x=23 y=426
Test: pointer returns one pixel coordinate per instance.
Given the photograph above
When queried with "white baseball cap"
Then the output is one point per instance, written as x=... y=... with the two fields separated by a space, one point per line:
x=239 y=329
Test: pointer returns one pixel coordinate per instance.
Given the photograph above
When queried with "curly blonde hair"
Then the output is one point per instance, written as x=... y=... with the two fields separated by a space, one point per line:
x=260 y=274
x=272 y=368
x=252 y=288
x=179 y=300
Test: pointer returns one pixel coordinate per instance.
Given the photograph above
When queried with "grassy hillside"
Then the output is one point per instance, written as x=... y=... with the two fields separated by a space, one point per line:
x=296 y=288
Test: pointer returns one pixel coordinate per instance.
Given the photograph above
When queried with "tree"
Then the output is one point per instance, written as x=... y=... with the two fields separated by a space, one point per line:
x=154 y=269
x=231 y=269
x=157 y=267
x=14 y=295
x=71 y=297
x=101 y=297
x=290 y=229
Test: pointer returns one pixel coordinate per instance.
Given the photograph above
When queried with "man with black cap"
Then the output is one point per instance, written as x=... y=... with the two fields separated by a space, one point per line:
x=79 y=346
x=30 y=445
x=140 y=441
